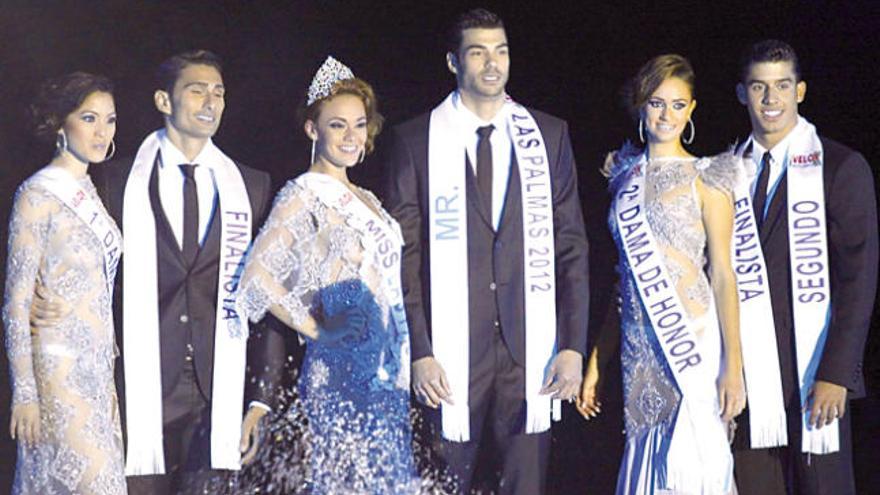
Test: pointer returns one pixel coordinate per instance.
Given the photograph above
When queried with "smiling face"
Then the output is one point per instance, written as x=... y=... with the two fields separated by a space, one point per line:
x=340 y=131
x=668 y=110
x=90 y=128
x=481 y=64
x=771 y=93
x=195 y=107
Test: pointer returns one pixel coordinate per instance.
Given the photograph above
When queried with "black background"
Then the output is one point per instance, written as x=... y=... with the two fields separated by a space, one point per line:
x=567 y=58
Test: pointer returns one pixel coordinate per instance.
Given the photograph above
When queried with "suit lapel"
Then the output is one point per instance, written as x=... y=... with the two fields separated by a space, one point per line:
x=513 y=196
x=164 y=233
x=778 y=205
x=473 y=194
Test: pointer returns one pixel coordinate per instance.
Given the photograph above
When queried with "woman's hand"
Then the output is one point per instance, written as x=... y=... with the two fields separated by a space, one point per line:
x=731 y=392
x=588 y=403
x=350 y=321
x=25 y=423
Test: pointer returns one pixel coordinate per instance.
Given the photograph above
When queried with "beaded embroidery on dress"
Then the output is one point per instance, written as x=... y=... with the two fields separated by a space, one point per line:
x=68 y=368
x=651 y=397
x=311 y=260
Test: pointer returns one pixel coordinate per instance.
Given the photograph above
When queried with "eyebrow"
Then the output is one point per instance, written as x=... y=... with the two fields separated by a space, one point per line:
x=784 y=79
x=204 y=85
x=477 y=45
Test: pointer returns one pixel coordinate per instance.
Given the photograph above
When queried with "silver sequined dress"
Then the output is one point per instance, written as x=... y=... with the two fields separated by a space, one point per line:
x=651 y=397
x=310 y=258
x=66 y=369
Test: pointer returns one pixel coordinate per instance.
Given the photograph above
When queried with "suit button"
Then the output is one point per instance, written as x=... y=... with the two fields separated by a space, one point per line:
x=497 y=323
x=184 y=318
x=492 y=286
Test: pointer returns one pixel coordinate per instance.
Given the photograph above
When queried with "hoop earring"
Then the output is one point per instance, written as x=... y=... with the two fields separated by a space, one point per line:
x=693 y=133
x=641 y=131
x=61 y=142
x=313 y=153
x=112 y=150
x=363 y=153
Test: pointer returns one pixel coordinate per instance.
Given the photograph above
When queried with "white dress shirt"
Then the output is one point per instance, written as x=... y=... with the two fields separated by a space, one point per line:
x=171 y=186
x=778 y=163
x=502 y=147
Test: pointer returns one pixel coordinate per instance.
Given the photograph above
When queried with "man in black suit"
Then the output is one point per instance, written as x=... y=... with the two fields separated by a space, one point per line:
x=490 y=358
x=771 y=89
x=185 y=199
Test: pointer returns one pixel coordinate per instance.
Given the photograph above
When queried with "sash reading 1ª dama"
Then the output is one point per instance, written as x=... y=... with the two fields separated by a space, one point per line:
x=63 y=186
x=142 y=368
x=449 y=270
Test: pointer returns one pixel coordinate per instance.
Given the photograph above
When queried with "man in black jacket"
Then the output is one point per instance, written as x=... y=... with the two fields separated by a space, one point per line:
x=815 y=388
x=481 y=344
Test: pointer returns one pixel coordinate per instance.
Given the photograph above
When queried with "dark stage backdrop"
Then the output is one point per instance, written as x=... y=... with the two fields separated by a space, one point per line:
x=568 y=58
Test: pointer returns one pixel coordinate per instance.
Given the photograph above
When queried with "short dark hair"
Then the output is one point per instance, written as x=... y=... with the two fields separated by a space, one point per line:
x=475 y=18
x=651 y=75
x=170 y=69
x=768 y=51
x=59 y=97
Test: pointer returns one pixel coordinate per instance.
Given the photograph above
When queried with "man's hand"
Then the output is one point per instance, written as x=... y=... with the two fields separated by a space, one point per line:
x=429 y=382
x=46 y=309
x=826 y=402
x=24 y=425
x=251 y=434
x=563 y=378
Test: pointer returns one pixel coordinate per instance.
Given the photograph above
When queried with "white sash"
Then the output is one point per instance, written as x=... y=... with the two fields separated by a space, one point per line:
x=142 y=367
x=767 y=424
x=810 y=281
x=698 y=438
x=449 y=270
x=64 y=186
x=383 y=239
x=810 y=277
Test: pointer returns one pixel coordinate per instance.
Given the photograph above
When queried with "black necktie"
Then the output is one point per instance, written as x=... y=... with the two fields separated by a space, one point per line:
x=484 y=165
x=761 y=189
x=190 y=213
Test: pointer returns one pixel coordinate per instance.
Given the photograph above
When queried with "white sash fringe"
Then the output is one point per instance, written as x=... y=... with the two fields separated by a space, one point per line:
x=449 y=271
x=142 y=367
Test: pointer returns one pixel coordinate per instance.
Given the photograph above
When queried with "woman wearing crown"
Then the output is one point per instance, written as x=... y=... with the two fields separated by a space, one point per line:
x=327 y=263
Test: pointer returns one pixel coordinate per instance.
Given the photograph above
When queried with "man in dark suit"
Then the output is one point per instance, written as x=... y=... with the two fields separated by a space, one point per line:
x=771 y=89
x=184 y=201
x=491 y=357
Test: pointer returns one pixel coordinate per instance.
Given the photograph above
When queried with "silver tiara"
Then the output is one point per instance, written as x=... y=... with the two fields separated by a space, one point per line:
x=330 y=72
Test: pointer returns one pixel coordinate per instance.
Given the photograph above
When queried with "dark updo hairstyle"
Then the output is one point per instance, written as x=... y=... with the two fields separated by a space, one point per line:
x=361 y=89
x=472 y=19
x=768 y=51
x=59 y=97
x=660 y=68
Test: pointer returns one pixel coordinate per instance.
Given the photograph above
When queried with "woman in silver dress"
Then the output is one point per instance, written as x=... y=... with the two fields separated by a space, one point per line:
x=64 y=407
x=680 y=349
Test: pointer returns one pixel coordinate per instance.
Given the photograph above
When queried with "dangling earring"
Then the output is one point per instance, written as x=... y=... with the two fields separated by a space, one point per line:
x=313 y=152
x=641 y=131
x=61 y=142
x=112 y=150
x=693 y=133
x=363 y=152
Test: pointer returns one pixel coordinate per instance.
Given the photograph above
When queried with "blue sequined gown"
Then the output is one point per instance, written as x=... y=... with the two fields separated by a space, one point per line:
x=311 y=260
x=651 y=396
